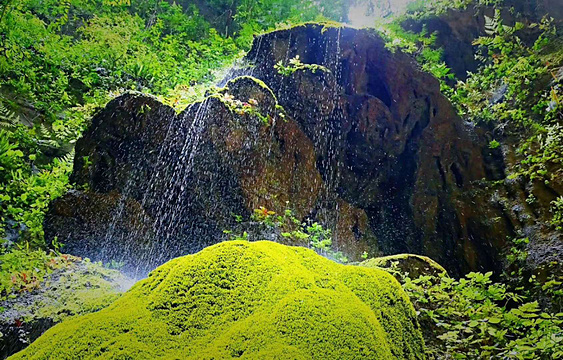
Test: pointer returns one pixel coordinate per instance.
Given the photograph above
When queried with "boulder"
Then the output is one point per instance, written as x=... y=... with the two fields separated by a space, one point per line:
x=357 y=138
x=159 y=184
x=389 y=143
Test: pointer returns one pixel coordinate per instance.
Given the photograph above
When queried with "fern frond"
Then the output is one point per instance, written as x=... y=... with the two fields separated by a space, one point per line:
x=8 y=119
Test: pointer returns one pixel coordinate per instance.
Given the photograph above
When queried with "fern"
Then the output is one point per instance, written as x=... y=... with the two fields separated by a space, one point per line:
x=47 y=138
x=67 y=160
x=8 y=119
x=494 y=26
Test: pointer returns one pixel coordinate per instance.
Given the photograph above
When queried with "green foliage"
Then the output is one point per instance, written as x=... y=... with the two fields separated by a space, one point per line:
x=39 y=288
x=557 y=210
x=542 y=283
x=542 y=154
x=418 y=9
x=8 y=119
x=516 y=91
x=291 y=228
x=501 y=91
x=493 y=144
x=23 y=270
x=26 y=186
x=258 y=300
x=475 y=318
x=422 y=46
x=295 y=65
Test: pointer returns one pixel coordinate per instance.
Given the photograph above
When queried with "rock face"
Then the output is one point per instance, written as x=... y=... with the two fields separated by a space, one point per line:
x=365 y=143
x=390 y=143
x=456 y=30
x=159 y=183
x=258 y=300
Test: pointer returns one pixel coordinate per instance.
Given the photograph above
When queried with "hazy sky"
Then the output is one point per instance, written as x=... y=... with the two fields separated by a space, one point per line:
x=361 y=15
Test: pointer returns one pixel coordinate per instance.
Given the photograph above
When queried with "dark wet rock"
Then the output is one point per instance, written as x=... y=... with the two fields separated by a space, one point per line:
x=159 y=183
x=81 y=287
x=389 y=143
x=366 y=144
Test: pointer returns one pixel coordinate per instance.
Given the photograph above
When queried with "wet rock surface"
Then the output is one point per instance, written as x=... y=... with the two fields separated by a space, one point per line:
x=390 y=143
x=366 y=144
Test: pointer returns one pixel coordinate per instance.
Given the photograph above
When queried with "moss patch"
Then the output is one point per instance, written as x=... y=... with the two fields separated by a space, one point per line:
x=249 y=300
x=69 y=286
x=412 y=265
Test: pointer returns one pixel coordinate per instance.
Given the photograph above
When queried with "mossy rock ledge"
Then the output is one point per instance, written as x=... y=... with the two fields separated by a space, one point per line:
x=410 y=265
x=238 y=299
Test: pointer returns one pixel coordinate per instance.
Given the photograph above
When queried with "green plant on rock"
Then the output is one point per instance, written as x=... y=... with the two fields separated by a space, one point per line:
x=242 y=108
x=543 y=283
x=517 y=91
x=557 y=211
x=494 y=144
x=423 y=47
x=295 y=65
x=25 y=193
x=542 y=154
x=304 y=233
x=419 y=9
x=8 y=119
x=24 y=269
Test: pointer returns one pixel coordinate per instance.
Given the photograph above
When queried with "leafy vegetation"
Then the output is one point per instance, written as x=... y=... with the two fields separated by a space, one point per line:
x=23 y=270
x=423 y=8
x=249 y=107
x=26 y=185
x=476 y=318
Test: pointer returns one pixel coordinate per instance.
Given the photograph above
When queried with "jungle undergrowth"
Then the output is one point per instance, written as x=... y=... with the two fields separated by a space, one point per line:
x=476 y=318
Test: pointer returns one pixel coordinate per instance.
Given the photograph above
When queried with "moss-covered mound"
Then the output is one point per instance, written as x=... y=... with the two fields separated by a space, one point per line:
x=250 y=300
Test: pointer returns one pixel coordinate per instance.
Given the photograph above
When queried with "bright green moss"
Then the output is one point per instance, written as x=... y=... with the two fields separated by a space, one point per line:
x=257 y=300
